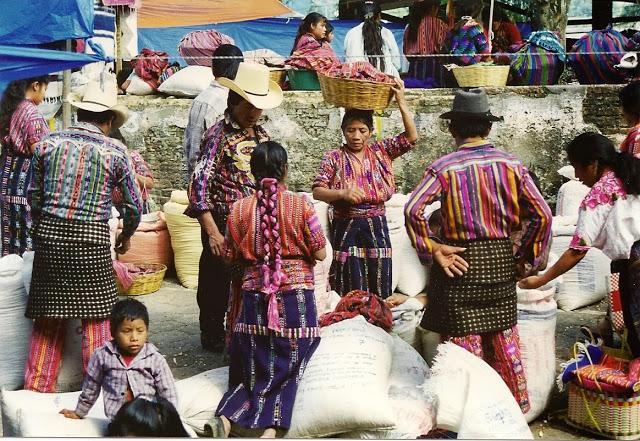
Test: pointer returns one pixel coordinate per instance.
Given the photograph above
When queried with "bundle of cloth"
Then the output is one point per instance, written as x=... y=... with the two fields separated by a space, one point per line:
x=311 y=54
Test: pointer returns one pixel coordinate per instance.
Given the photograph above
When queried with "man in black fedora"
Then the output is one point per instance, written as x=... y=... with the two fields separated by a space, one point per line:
x=485 y=193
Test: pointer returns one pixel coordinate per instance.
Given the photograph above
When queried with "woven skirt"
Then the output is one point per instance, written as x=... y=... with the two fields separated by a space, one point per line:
x=482 y=300
x=361 y=256
x=72 y=270
x=266 y=366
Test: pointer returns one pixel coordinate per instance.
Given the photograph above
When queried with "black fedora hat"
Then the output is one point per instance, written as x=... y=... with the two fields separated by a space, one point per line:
x=471 y=103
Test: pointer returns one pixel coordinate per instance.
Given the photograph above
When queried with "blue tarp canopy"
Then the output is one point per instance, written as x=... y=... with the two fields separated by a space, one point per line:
x=43 y=21
x=19 y=62
x=276 y=34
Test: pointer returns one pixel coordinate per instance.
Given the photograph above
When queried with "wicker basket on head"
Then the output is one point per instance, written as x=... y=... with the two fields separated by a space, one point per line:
x=277 y=75
x=481 y=75
x=144 y=283
x=355 y=94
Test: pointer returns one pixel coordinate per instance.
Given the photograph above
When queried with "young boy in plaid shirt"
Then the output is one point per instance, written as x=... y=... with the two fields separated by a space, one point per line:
x=126 y=367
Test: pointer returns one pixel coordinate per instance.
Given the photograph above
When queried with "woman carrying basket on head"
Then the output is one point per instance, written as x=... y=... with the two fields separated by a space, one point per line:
x=357 y=179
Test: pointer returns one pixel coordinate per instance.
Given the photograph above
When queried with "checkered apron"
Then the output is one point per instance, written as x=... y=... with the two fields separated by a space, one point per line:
x=72 y=270
x=483 y=300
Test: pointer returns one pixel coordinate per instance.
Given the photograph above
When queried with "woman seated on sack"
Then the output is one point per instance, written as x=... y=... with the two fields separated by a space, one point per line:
x=277 y=236
x=310 y=48
x=608 y=220
x=424 y=35
x=357 y=179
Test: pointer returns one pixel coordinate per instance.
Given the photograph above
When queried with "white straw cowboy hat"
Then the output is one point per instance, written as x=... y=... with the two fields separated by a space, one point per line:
x=471 y=103
x=97 y=98
x=253 y=84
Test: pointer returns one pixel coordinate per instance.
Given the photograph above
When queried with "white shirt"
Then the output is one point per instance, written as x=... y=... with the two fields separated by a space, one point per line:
x=206 y=110
x=354 y=50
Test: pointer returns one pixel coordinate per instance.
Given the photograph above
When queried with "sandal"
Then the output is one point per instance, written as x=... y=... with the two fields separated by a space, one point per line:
x=215 y=428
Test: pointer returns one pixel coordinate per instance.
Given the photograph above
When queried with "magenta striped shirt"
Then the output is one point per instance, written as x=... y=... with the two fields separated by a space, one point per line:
x=485 y=194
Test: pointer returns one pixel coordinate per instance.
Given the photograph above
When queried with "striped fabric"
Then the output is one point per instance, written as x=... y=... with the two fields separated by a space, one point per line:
x=466 y=43
x=594 y=56
x=431 y=34
x=535 y=66
x=631 y=143
x=300 y=234
x=484 y=193
x=45 y=350
x=373 y=174
x=27 y=127
x=75 y=173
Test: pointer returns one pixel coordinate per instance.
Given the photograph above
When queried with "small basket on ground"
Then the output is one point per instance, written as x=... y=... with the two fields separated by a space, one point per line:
x=604 y=414
x=355 y=94
x=144 y=283
x=277 y=75
x=480 y=75
x=303 y=79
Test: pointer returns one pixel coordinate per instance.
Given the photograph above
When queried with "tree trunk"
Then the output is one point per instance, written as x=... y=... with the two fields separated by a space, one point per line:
x=550 y=15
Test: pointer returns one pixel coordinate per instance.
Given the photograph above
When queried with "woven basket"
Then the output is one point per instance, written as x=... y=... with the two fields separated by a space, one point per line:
x=355 y=94
x=615 y=417
x=144 y=283
x=277 y=75
x=479 y=75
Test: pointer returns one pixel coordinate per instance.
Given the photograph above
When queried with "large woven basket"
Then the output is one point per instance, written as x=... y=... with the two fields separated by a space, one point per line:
x=355 y=94
x=481 y=75
x=603 y=414
x=144 y=283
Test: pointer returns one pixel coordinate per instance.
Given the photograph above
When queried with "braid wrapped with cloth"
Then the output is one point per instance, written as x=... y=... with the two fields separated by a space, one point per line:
x=273 y=276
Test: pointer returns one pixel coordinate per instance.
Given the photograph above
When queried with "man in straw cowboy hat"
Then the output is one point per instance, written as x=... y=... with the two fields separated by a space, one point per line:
x=485 y=193
x=75 y=173
x=221 y=177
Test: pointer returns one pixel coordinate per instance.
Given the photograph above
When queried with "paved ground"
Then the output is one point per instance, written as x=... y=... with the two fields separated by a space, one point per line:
x=174 y=329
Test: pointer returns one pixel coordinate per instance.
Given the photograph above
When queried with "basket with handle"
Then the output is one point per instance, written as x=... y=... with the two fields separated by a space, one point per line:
x=144 y=283
x=480 y=75
x=615 y=416
x=355 y=94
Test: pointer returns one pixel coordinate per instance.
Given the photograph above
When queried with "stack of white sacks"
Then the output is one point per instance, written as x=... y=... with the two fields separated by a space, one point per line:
x=586 y=283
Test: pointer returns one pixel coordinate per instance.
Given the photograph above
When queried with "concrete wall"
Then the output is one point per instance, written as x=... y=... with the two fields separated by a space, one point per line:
x=538 y=122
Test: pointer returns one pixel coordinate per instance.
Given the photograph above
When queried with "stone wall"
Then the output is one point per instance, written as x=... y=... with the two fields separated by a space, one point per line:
x=538 y=122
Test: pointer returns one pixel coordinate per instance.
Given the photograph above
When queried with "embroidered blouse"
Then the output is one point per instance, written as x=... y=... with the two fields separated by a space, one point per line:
x=631 y=144
x=222 y=175
x=27 y=127
x=608 y=219
x=140 y=168
x=300 y=234
x=485 y=193
x=75 y=173
x=341 y=169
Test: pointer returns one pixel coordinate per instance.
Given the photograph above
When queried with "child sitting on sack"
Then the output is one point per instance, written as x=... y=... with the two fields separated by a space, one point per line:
x=126 y=367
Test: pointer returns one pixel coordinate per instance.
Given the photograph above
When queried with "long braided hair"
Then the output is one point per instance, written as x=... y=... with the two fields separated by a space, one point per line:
x=11 y=99
x=372 y=33
x=268 y=166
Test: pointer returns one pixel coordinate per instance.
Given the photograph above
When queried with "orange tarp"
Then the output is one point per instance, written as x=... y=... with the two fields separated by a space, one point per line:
x=169 y=13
